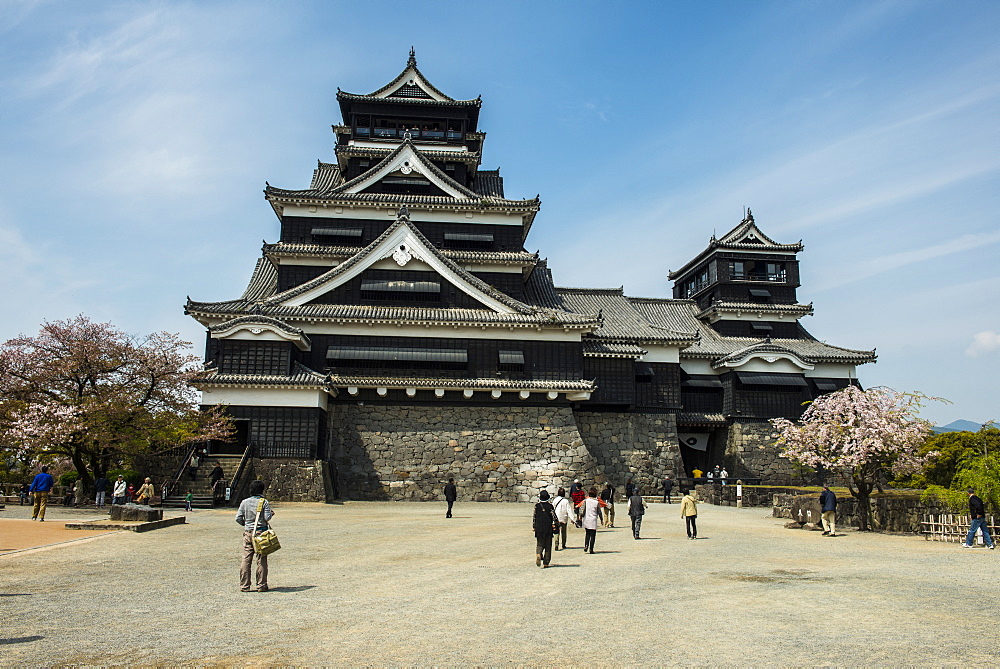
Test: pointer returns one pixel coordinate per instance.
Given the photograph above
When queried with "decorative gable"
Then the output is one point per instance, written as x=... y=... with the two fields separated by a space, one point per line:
x=407 y=162
x=401 y=244
x=411 y=84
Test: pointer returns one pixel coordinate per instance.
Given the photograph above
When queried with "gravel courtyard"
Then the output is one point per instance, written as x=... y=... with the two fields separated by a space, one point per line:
x=398 y=584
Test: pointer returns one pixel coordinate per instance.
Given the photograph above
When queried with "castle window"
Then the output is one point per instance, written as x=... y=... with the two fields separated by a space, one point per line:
x=762 y=327
x=346 y=234
x=510 y=361
x=419 y=291
x=467 y=240
x=643 y=372
x=392 y=357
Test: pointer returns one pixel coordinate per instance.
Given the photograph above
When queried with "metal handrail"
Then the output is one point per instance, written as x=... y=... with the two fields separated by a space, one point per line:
x=237 y=477
x=169 y=485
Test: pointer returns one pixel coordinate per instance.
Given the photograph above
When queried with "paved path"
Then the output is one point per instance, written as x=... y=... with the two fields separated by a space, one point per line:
x=398 y=584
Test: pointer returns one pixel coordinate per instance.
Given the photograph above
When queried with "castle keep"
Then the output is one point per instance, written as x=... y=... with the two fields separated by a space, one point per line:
x=399 y=333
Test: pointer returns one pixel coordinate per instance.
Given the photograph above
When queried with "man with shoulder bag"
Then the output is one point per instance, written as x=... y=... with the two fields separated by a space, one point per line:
x=255 y=515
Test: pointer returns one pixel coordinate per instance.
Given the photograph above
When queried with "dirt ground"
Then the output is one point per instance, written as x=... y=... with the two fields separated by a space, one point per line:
x=383 y=584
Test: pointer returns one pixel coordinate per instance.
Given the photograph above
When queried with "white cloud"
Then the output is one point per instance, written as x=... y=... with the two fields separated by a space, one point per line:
x=983 y=342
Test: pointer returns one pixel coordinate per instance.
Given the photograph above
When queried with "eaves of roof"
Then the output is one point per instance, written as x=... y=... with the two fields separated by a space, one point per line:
x=301 y=377
x=488 y=383
x=292 y=250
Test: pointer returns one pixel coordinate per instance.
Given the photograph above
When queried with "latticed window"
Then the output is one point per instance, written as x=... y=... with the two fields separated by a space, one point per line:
x=510 y=361
x=395 y=290
x=244 y=357
x=396 y=357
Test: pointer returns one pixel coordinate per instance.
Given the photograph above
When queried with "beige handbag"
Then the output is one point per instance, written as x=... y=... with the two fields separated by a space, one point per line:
x=266 y=542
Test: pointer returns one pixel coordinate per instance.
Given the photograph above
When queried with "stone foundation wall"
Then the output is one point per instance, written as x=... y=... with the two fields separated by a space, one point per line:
x=750 y=452
x=642 y=447
x=886 y=513
x=290 y=480
x=495 y=454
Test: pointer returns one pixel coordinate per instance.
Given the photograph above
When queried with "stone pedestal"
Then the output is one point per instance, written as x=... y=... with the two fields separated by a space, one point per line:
x=139 y=512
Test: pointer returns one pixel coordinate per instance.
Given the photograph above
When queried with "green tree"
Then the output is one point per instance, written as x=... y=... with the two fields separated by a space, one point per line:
x=976 y=467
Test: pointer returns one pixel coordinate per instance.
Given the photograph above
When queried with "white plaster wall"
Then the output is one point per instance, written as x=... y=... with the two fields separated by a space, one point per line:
x=266 y=397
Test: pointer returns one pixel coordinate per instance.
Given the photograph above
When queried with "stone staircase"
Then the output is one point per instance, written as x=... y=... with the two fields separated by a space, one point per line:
x=201 y=487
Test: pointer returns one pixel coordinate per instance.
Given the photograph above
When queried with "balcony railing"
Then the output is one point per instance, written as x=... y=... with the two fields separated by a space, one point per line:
x=400 y=133
x=776 y=277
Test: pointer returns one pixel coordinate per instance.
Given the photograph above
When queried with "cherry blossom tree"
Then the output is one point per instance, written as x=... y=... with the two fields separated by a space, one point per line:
x=858 y=434
x=92 y=393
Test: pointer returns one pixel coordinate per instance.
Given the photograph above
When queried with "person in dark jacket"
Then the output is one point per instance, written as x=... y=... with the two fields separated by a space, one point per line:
x=668 y=486
x=214 y=477
x=977 y=514
x=608 y=497
x=828 y=504
x=636 y=509
x=450 y=495
x=545 y=525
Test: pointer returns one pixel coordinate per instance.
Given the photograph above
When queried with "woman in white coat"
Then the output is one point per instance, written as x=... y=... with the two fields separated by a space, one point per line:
x=564 y=512
x=590 y=509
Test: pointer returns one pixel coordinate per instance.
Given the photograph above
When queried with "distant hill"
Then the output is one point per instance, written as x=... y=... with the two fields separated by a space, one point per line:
x=958 y=426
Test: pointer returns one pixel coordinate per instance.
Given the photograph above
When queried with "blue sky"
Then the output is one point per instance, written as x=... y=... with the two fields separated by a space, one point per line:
x=137 y=137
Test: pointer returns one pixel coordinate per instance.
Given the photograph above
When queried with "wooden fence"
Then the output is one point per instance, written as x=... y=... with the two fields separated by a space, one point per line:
x=952 y=527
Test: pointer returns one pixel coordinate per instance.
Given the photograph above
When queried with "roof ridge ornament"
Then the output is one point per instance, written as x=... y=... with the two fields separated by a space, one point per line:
x=404 y=213
x=412 y=60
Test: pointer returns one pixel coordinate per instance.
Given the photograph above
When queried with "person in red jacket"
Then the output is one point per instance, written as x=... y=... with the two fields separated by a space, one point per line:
x=577 y=495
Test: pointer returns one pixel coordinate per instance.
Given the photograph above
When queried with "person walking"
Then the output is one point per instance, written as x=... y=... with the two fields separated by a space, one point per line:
x=545 y=524
x=450 y=495
x=193 y=465
x=100 y=490
x=828 y=506
x=689 y=512
x=214 y=477
x=636 y=509
x=577 y=495
x=590 y=509
x=977 y=515
x=564 y=514
x=254 y=515
x=188 y=498
x=668 y=486
x=608 y=497
x=40 y=488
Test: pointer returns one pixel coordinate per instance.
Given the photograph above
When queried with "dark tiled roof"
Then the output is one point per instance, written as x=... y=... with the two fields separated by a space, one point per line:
x=300 y=376
x=471 y=157
x=478 y=383
x=539 y=289
x=392 y=315
x=621 y=320
x=499 y=257
x=339 y=192
x=263 y=283
x=751 y=307
x=597 y=348
x=489 y=183
x=271 y=305
x=251 y=320
x=712 y=345
x=326 y=176
x=694 y=418
x=350 y=97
